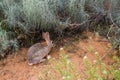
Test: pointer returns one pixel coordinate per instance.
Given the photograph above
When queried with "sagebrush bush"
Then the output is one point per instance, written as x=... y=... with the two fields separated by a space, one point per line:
x=77 y=11
x=6 y=43
x=28 y=17
x=39 y=14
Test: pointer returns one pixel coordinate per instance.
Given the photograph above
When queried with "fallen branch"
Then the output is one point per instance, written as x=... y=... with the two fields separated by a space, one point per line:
x=76 y=26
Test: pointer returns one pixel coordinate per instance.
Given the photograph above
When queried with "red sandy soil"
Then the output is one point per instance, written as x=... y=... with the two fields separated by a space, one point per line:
x=15 y=67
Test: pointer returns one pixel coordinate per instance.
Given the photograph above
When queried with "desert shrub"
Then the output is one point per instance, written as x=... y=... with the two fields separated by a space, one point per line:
x=116 y=18
x=114 y=37
x=77 y=11
x=1 y=13
x=115 y=12
x=6 y=43
x=39 y=14
x=31 y=17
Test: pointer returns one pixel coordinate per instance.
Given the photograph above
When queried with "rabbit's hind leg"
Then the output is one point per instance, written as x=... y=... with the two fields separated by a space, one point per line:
x=42 y=60
x=34 y=61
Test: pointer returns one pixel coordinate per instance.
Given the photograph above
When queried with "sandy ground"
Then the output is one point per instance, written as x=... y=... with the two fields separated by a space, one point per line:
x=15 y=67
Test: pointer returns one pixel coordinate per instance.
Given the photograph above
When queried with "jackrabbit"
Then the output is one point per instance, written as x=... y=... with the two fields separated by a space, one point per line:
x=37 y=52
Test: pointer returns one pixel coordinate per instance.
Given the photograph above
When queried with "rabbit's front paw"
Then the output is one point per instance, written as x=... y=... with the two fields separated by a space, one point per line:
x=48 y=57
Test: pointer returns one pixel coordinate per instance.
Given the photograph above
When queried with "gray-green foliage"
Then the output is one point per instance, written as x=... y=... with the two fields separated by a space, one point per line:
x=77 y=11
x=6 y=42
x=115 y=39
x=12 y=13
x=44 y=14
x=115 y=12
x=38 y=15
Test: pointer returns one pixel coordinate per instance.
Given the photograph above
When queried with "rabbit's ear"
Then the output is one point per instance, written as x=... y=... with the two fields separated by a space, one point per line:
x=47 y=37
x=44 y=35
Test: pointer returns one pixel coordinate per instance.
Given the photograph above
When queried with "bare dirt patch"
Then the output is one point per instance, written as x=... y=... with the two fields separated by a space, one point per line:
x=15 y=67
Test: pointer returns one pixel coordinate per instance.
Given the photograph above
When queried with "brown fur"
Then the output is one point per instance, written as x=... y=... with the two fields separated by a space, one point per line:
x=37 y=52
